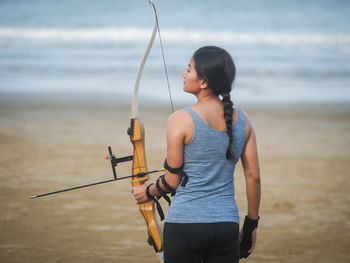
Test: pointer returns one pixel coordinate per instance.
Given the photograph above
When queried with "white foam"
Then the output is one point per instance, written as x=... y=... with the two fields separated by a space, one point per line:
x=178 y=35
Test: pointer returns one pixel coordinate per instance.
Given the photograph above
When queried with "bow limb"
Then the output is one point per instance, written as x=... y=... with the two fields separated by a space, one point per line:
x=135 y=96
x=139 y=165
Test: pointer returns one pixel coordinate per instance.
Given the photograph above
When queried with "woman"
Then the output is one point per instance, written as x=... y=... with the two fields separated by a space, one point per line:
x=204 y=144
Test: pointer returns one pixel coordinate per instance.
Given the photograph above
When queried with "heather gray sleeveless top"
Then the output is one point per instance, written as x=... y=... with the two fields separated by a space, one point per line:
x=209 y=195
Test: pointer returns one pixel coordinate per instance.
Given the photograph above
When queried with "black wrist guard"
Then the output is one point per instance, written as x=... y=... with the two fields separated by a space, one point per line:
x=246 y=243
x=148 y=193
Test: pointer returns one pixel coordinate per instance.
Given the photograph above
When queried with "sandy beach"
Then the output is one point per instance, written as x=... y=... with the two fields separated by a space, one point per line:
x=304 y=157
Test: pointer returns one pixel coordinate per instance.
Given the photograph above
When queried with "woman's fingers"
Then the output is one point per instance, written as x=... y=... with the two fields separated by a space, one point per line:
x=253 y=241
x=139 y=193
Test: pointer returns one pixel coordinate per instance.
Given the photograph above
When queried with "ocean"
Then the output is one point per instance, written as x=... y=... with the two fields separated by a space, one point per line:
x=293 y=51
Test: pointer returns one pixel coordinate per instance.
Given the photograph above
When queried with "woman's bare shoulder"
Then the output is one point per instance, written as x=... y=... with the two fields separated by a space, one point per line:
x=180 y=123
x=248 y=123
x=180 y=117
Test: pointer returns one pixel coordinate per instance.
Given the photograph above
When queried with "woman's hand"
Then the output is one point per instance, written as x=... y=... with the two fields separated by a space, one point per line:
x=139 y=192
x=244 y=252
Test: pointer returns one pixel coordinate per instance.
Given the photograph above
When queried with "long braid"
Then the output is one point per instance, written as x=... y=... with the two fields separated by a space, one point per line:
x=215 y=66
x=228 y=115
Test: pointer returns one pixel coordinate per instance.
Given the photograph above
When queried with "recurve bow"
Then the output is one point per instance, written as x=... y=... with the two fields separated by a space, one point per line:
x=139 y=165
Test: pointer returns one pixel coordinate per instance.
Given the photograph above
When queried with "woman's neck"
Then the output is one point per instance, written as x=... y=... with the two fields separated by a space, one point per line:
x=205 y=98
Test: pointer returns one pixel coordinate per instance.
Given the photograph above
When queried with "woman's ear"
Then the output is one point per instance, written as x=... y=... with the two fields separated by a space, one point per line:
x=204 y=84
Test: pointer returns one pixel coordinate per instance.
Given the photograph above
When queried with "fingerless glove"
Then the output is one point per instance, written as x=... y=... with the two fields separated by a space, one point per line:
x=246 y=243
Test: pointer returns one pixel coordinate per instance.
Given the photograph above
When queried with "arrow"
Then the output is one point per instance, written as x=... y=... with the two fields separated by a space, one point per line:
x=102 y=182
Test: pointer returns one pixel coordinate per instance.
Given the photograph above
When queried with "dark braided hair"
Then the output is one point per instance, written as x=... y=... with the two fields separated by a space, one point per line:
x=215 y=66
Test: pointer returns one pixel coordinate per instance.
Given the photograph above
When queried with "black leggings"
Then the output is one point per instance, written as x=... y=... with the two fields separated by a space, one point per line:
x=201 y=242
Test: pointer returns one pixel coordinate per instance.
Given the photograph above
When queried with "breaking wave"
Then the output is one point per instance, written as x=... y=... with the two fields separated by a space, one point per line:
x=177 y=36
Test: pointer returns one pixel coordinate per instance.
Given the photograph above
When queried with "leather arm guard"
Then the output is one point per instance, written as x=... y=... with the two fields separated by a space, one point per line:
x=178 y=171
x=159 y=208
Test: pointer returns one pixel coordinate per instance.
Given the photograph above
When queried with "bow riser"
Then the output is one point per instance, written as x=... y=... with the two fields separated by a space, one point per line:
x=139 y=165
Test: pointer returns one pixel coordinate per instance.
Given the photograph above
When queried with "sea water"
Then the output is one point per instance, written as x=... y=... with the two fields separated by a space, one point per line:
x=285 y=51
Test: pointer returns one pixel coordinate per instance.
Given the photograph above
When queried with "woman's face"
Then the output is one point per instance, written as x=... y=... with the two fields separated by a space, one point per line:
x=191 y=82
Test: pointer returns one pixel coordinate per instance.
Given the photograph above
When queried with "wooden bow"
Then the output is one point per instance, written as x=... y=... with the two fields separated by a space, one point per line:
x=139 y=165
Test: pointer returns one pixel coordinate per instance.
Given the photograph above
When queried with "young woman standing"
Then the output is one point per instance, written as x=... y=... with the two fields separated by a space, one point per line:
x=204 y=143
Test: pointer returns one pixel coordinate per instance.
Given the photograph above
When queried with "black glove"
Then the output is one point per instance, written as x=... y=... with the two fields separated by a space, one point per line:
x=246 y=243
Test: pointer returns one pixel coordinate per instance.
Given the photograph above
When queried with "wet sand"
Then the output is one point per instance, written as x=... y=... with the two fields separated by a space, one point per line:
x=305 y=163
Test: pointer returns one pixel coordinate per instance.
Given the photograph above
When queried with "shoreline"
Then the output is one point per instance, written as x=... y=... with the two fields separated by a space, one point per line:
x=100 y=99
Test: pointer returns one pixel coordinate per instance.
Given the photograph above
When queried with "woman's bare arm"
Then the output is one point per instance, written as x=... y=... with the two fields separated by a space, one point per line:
x=179 y=132
x=250 y=163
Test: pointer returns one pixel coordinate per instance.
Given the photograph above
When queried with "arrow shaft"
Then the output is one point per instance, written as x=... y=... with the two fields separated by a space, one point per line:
x=97 y=183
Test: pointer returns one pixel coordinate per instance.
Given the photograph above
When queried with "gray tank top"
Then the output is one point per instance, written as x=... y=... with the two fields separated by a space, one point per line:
x=209 y=195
